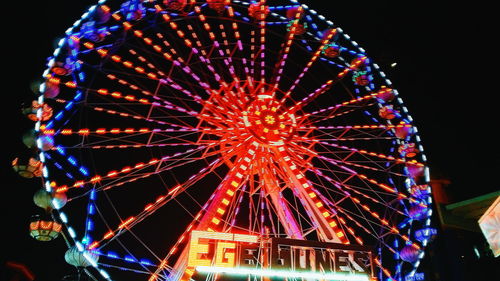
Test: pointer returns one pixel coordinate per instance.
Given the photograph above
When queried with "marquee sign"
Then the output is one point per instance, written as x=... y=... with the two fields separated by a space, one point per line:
x=241 y=254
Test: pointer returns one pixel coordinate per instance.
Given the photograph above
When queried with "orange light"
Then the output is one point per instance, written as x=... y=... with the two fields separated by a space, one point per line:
x=66 y=132
x=79 y=184
x=84 y=132
x=70 y=84
x=102 y=52
x=109 y=234
x=148 y=207
x=138 y=33
x=63 y=188
x=95 y=179
x=125 y=223
x=130 y=98
x=88 y=45
x=93 y=245
x=157 y=48
x=127 y=25
x=128 y=64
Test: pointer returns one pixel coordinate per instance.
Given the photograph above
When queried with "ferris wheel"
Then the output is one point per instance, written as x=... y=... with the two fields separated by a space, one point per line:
x=159 y=118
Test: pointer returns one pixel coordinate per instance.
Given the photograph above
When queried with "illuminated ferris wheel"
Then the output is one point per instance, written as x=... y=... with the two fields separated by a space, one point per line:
x=159 y=118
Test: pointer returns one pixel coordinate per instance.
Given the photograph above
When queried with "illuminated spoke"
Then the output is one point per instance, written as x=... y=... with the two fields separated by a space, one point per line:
x=262 y=50
x=315 y=56
x=150 y=208
x=286 y=48
x=326 y=86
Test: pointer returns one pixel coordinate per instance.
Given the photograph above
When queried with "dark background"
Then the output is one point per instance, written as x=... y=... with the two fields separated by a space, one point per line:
x=444 y=73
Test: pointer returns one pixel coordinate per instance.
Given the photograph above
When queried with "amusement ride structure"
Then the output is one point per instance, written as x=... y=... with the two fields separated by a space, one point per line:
x=159 y=119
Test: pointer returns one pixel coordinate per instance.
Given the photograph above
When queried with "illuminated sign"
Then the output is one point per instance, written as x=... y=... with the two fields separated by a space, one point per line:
x=241 y=254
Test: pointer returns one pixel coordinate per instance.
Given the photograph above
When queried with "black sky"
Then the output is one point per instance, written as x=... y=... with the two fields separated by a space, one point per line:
x=443 y=55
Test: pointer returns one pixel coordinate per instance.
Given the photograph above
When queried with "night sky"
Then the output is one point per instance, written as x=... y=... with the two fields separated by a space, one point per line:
x=442 y=73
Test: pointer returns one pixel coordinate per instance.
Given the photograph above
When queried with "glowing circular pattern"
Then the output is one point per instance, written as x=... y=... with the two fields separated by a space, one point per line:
x=256 y=117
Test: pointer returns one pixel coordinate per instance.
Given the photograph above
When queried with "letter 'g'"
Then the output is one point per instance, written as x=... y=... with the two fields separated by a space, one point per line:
x=225 y=255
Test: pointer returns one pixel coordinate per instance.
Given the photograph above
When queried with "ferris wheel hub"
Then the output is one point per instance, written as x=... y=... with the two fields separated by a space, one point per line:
x=268 y=121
